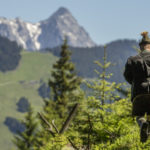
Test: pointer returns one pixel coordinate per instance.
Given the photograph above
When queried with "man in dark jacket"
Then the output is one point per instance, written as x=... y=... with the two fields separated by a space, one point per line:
x=137 y=73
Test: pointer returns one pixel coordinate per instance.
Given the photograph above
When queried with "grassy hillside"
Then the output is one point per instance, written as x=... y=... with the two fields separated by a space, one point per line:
x=24 y=81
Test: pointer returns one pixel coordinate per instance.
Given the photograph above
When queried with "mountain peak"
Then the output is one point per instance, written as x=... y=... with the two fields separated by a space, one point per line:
x=58 y=14
x=46 y=33
x=62 y=10
x=62 y=23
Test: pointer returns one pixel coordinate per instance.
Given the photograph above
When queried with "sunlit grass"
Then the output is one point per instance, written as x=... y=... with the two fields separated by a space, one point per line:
x=24 y=81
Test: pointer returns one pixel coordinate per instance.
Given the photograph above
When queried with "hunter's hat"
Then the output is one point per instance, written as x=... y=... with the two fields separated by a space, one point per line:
x=145 y=38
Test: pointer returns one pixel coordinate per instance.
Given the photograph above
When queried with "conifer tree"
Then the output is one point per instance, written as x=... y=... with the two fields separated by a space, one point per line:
x=65 y=82
x=103 y=89
x=26 y=140
x=65 y=93
x=96 y=112
x=107 y=122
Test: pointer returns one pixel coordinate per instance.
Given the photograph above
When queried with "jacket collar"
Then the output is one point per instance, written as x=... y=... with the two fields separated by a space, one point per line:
x=145 y=53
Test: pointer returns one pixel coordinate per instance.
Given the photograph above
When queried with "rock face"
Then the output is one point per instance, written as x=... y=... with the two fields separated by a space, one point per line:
x=24 y=33
x=62 y=24
x=46 y=33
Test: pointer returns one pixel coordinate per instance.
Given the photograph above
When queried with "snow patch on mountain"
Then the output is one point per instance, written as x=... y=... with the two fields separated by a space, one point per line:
x=24 y=33
x=47 y=33
x=34 y=32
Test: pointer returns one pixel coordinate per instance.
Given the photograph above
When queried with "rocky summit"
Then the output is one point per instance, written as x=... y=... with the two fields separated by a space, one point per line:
x=48 y=33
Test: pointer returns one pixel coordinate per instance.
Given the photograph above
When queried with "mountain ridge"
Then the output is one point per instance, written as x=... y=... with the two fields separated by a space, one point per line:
x=117 y=53
x=46 y=33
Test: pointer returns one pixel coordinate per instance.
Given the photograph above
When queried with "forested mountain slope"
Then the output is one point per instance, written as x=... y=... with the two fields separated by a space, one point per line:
x=117 y=52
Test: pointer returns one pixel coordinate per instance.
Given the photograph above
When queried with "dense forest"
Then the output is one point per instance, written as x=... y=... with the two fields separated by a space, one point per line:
x=117 y=52
x=9 y=54
x=72 y=120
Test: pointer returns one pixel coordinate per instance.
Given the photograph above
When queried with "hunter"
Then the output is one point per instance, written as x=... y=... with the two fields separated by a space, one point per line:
x=137 y=73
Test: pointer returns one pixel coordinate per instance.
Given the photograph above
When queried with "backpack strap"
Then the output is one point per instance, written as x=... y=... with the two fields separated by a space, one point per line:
x=145 y=65
x=147 y=82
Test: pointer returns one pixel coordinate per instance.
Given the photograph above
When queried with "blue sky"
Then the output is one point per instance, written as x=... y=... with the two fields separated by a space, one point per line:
x=104 y=20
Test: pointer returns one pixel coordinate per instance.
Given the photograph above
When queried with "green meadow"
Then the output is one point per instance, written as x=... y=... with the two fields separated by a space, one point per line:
x=34 y=68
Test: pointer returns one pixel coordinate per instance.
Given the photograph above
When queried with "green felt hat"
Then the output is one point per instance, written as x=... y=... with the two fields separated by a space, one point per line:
x=145 y=38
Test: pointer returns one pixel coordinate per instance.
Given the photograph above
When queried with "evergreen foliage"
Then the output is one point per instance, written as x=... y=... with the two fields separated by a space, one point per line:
x=26 y=140
x=64 y=81
x=103 y=89
x=96 y=109
x=102 y=120
x=65 y=93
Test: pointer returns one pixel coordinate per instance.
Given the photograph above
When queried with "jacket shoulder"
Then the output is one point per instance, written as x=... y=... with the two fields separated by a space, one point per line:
x=134 y=58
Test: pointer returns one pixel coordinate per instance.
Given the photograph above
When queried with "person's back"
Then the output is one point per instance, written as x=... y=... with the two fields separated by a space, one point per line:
x=137 y=73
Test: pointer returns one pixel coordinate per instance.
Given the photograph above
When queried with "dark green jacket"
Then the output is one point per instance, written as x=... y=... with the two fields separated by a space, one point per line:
x=137 y=73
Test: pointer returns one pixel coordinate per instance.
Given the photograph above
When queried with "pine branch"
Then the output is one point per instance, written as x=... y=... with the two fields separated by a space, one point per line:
x=64 y=127
x=72 y=144
x=46 y=122
x=69 y=118
x=54 y=126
